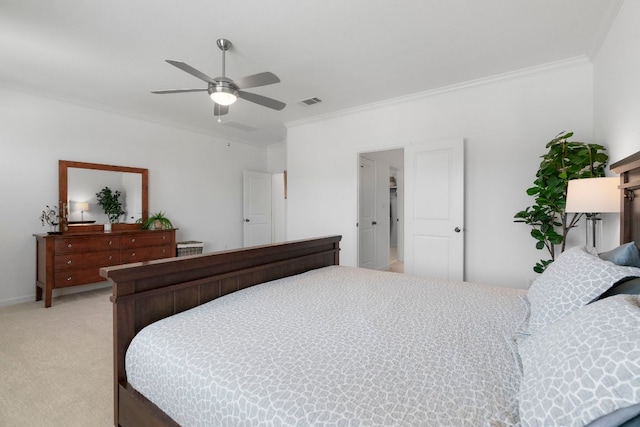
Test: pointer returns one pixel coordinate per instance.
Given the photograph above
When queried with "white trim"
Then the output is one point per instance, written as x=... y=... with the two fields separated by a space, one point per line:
x=565 y=63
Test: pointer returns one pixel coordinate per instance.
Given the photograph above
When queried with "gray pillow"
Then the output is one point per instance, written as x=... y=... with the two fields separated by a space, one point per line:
x=573 y=280
x=627 y=254
x=623 y=417
x=584 y=366
x=627 y=285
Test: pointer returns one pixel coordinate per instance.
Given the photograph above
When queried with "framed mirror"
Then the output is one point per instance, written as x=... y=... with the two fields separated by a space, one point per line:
x=78 y=184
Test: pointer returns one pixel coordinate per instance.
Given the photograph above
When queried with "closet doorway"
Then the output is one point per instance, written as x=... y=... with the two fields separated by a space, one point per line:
x=396 y=263
x=430 y=207
x=381 y=210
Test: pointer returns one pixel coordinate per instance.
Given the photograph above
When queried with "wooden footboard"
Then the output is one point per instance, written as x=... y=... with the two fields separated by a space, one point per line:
x=146 y=292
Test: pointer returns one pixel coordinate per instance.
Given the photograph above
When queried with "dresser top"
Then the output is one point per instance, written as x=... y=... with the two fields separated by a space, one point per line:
x=98 y=233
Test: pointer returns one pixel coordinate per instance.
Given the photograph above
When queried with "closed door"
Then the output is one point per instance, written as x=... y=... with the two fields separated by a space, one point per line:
x=366 y=213
x=256 y=208
x=434 y=210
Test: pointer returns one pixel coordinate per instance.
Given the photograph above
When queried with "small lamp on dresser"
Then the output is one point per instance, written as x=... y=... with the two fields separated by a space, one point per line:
x=82 y=207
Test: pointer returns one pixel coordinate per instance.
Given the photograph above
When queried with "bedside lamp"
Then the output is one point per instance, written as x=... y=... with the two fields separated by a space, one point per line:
x=593 y=196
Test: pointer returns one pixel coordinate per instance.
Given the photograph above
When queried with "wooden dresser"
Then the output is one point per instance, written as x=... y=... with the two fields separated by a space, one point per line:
x=72 y=259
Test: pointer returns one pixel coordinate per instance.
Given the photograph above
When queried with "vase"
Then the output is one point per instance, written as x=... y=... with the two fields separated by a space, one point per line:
x=107 y=227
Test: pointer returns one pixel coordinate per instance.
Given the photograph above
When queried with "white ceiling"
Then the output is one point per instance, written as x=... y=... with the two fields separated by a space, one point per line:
x=110 y=54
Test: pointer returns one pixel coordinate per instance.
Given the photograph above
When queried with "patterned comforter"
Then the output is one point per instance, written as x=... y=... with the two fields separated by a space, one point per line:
x=337 y=346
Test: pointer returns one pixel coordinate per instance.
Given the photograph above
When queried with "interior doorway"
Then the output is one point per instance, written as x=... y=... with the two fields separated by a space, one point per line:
x=430 y=205
x=381 y=210
x=395 y=261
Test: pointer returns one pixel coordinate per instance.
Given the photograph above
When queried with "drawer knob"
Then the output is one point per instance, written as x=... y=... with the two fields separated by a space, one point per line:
x=164 y=250
x=69 y=262
x=164 y=237
x=110 y=242
x=69 y=279
x=110 y=256
x=133 y=240
x=133 y=254
x=68 y=245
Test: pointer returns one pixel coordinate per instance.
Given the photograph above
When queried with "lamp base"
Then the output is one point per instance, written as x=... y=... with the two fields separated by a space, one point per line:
x=594 y=231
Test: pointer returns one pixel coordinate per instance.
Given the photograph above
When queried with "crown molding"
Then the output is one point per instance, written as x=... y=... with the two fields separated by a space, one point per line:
x=565 y=63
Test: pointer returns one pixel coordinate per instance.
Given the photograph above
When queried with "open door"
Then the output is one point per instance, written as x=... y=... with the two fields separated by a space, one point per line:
x=434 y=210
x=366 y=213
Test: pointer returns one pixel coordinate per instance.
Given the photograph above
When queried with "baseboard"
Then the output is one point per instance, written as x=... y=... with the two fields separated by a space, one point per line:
x=17 y=300
x=56 y=293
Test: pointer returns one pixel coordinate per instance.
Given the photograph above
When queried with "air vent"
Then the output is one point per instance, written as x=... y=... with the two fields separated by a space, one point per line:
x=311 y=101
x=240 y=126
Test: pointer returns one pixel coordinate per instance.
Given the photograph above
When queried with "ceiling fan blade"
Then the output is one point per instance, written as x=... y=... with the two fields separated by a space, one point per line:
x=262 y=100
x=255 y=80
x=189 y=69
x=177 y=91
x=220 y=110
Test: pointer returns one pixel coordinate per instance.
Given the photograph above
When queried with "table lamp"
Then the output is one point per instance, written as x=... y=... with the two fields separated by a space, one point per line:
x=593 y=196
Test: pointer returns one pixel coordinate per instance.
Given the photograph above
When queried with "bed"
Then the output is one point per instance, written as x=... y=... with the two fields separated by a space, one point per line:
x=284 y=335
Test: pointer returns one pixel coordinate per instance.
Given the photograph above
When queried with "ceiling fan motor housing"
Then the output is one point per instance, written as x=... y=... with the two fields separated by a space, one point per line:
x=223 y=92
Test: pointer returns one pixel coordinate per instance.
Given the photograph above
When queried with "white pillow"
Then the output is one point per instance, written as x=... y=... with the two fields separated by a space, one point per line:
x=573 y=280
x=584 y=366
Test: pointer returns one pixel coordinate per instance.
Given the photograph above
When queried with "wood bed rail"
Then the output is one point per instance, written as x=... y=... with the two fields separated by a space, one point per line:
x=146 y=292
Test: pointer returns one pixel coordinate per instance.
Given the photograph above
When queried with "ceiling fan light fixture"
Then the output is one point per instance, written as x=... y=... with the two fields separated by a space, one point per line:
x=223 y=95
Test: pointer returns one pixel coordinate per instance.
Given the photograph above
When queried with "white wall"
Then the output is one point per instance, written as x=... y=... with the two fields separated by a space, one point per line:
x=505 y=123
x=617 y=95
x=277 y=158
x=617 y=92
x=195 y=178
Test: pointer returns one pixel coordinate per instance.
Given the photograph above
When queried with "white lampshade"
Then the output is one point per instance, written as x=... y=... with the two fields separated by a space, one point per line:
x=593 y=195
x=82 y=206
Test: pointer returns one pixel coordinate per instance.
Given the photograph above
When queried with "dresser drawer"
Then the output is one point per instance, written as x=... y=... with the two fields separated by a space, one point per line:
x=147 y=253
x=77 y=277
x=86 y=260
x=148 y=238
x=87 y=244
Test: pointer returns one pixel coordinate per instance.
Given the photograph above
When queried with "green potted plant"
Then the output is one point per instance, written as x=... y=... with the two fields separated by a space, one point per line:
x=564 y=161
x=110 y=203
x=157 y=221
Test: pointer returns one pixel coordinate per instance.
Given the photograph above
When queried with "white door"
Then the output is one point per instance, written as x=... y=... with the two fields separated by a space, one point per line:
x=434 y=214
x=366 y=213
x=257 y=208
x=278 y=208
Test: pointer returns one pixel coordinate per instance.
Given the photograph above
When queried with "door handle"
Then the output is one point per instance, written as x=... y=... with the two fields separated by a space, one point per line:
x=457 y=229
x=247 y=220
x=373 y=222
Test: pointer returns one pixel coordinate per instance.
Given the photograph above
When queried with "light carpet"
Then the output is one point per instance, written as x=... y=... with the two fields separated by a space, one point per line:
x=56 y=363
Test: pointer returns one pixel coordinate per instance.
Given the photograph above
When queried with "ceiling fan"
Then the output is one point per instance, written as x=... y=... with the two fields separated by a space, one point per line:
x=224 y=91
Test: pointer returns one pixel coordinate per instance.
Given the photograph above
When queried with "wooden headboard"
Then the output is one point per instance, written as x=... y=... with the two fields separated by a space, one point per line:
x=146 y=292
x=629 y=171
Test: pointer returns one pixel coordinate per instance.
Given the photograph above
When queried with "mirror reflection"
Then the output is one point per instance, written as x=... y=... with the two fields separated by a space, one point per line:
x=79 y=183
x=83 y=184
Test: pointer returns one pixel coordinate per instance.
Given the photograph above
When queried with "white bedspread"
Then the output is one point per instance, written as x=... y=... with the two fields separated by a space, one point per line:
x=337 y=346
